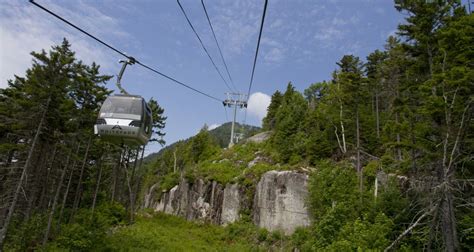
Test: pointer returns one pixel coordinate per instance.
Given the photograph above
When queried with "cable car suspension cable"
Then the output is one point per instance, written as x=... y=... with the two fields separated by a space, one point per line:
x=258 y=45
x=215 y=39
x=204 y=47
x=121 y=53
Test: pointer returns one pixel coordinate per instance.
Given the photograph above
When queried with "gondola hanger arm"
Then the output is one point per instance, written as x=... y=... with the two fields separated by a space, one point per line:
x=128 y=61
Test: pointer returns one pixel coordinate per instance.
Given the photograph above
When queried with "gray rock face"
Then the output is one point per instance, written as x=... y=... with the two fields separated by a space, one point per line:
x=230 y=204
x=280 y=201
x=202 y=201
x=149 y=196
x=260 y=137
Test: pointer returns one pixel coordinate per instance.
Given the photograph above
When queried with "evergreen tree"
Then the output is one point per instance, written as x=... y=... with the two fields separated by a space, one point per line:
x=269 y=120
x=158 y=123
x=288 y=140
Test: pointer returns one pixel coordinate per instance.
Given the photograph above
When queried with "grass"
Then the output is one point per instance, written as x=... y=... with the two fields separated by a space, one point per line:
x=170 y=233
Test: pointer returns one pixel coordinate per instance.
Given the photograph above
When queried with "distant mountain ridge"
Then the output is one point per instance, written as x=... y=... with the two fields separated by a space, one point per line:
x=221 y=134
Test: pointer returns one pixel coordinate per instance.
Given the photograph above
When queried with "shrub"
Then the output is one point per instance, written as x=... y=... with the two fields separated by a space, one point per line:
x=25 y=235
x=262 y=235
x=89 y=229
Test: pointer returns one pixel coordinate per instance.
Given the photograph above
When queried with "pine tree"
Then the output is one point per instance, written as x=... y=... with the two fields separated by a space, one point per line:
x=269 y=120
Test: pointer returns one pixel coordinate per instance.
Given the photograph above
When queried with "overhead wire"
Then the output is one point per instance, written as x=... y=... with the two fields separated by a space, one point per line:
x=123 y=54
x=258 y=45
x=202 y=45
x=217 y=43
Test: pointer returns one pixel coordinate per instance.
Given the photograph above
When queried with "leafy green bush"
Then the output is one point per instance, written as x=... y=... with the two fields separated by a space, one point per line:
x=88 y=230
x=364 y=234
x=345 y=218
x=301 y=239
x=223 y=172
x=24 y=235
x=77 y=236
x=332 y=185
x=262 y=235
x=171 y=233
x=169 y=181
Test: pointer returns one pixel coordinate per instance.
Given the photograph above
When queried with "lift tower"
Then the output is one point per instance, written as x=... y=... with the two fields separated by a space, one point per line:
x=236 y=100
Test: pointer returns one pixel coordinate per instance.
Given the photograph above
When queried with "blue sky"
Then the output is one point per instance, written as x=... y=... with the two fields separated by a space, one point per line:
x=301 y=42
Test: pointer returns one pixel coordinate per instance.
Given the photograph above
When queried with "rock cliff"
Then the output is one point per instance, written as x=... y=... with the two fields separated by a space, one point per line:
x=279 y=201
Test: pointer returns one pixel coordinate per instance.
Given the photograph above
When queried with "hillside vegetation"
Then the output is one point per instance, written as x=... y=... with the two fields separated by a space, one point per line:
x=406 y=111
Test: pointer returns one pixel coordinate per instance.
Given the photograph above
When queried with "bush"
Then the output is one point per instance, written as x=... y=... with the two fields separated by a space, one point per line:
x=301 y=238
x=89 y=229
x=223 y=172
x=25 y=235
x=169 y=181
x=262 y=235
x=77 y=236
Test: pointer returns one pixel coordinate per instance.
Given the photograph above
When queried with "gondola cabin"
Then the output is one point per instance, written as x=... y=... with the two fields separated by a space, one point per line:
x=124 y=119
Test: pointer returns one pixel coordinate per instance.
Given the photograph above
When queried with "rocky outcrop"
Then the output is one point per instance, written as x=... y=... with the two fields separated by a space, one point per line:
x=150 y=196
x=260 y=137
x=280 y=201
x=201 y=200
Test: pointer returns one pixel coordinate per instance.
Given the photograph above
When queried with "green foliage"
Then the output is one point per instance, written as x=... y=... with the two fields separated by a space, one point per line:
x=344 y=218
x=158 y=123
x=77 y=236
x=466 y=236
x=262 y=235
x=332 y=185
x=302 y=239
x=364 y=235
x=286 y=139
x=88 y=230
x=202 y=146
x=168 y=181
x=27 y=234
x=221 y=134
x=406 y=111
x=170 y=233
x=270 y=119
x=223 y=171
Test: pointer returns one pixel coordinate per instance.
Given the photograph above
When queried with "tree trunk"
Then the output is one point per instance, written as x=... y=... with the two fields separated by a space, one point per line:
x=377 y=118
x=129 y=187
x=413 y=147
x=45 y=187
x=448 y=223
x=79 y=183
x=34 y=183
x=344 y=149
x=97 y=186
x=55 y=201
x=174 y=155
x=137 y=185
x=399 y=150
x=359 y=168
x=115 y=175
x=11 y=210
x=67 y=189
x=132 y=180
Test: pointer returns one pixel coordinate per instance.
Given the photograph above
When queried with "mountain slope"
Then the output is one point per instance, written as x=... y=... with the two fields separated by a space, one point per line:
x=220 y=134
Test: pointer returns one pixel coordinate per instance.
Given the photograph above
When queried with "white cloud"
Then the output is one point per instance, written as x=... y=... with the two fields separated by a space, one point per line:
x=213 y=126
x=258 y=104
x=236 y=24
x=25 y=28
x=275 y=55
